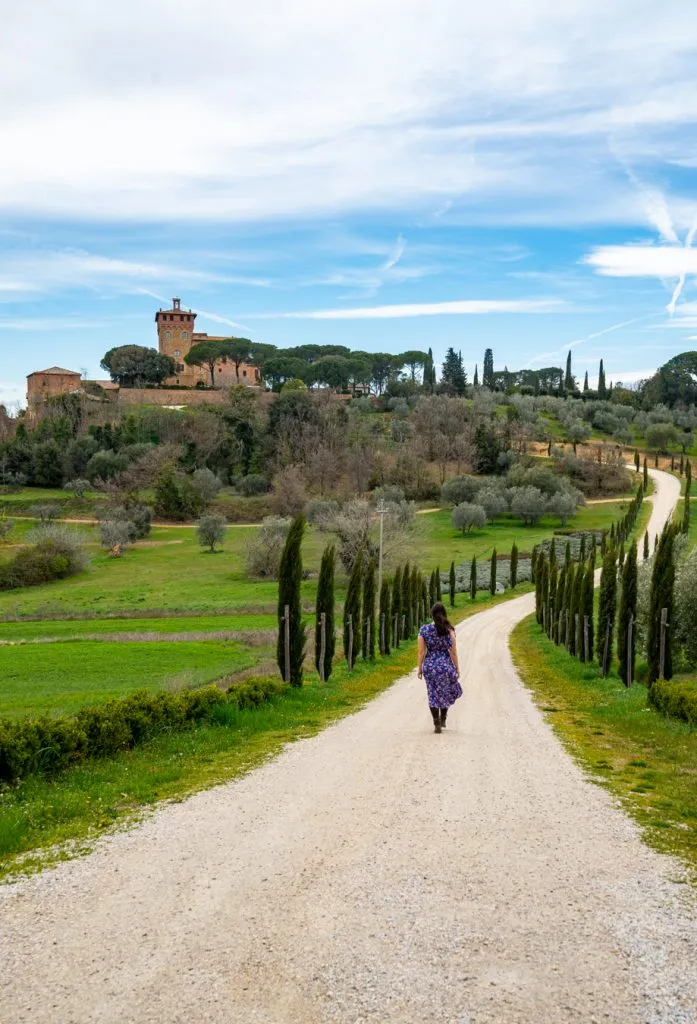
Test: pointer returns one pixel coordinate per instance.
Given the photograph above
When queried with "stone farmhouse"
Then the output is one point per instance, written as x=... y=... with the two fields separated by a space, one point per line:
x=175 y=337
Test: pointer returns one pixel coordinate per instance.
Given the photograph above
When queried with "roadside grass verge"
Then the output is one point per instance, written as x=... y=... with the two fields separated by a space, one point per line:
x=44 y=820
x=647 y=760
x=183 y=623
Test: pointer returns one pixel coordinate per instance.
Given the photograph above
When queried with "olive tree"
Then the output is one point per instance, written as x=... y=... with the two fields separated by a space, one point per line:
x=528 y=504
x=211 y=530
x=467 y=516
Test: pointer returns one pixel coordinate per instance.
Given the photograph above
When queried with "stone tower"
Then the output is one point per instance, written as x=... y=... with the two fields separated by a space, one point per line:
x=175 y=329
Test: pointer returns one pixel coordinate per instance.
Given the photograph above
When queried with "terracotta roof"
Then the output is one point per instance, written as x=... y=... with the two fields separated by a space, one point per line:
x=56 y=370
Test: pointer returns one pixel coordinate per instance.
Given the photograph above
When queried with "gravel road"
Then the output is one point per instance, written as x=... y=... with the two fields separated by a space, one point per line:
x=374 y=873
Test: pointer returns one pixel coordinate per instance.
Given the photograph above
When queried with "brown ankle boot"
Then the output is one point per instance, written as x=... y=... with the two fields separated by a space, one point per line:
x=435 y=714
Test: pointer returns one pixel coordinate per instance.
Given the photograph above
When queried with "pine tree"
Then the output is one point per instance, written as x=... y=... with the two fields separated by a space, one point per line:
x=514 y=565
x=325 y=605
x=352 y=613
x=473 y=578
x=453 y=584
x=488 y=371
x=646 y=476
x=492 y=582
x=608 y=607
x=569 y=382
x=662 y=584
x=475 y=381
x=602 y=389
x=585 y=382
x=368 y=619
x=385 y=622
x=586 y=653
x=627 y=615
x=397 y=606
x=637 y=460
x=290 y=574
x=407 y=614
x=439 y=585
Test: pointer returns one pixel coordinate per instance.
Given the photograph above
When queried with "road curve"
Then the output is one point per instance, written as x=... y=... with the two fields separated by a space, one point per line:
x=374 y=873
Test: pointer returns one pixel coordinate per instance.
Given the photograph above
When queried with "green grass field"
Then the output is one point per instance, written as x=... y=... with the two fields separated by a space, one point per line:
x=647 y=760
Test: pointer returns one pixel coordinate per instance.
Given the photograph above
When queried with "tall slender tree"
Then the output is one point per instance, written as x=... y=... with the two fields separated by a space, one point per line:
x=626 y=631
x=646 y=545
x=576 y=610
x=637 y=460
x=662 y=584
x=608 y=607
x=397 y=606
x=552 y=597
x=415 y=599
x=432 y=588
x=587 y=612
x=352 y=613
x=539 y=585
x=488 y=371
x=569 y=382
x=439 y=585
x=492 y=580
x=453 y=584
x=585 y=382
x=686 y=513
x=514 y=565
x=324 y=605
x=290 y=574
x=475 y=379
x=560 y=605
x=602 y=388
x=368 y=619
x=646 y=476
x=407 y=606
x=473 y=578
x=385 y=621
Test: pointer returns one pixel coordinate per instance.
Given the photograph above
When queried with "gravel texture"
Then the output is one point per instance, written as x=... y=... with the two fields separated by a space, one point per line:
x=374 y=873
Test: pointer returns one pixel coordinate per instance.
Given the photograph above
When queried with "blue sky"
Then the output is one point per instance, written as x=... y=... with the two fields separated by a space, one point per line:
x=520 y=176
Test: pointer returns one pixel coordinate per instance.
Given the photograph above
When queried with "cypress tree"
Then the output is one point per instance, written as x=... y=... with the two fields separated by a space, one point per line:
x=586 y=652
x=533 y=565
x=385 y=621
x=567 y=553
x=290 y=574
x=325 y=604
x=473 y=578
x=560 y=605
x=415 y=599
x=608 y=606
x=539 y=580
x=569 y=383
x=396 y=608
x=432 y=588
x=646 y=476
x=662 y=583
x=368 y=619
x=637 y=460
x=602 y=388
x=672 y=463
x=407 y=614
x=646 y=545
x=352 y=612
x=453 y=584
x=439 y=585
x=612 y=535
x=576 y=609
x=475 y=380
x=426 y=606
x=552 y=598
x=686 y=514
x=544 y=593
x=492 y=582
x=688 y=476
x=620 y=557
x=488 y=373
x=627 y=614
x=682 y=466
x=582 y=549
x=585 y=382
x=514 y=565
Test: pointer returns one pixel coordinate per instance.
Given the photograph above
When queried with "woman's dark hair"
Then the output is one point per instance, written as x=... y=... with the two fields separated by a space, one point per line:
x=440 y=619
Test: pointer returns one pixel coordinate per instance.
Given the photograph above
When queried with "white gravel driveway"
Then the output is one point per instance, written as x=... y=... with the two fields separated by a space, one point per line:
x=375 y=873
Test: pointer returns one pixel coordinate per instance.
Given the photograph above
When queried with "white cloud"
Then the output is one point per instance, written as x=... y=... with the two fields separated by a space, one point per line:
x=276 y=110
x=396 y=254
x=460 y=307
x=642 y=260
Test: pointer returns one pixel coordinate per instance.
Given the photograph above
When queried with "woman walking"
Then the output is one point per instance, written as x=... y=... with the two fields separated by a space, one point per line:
x=438 y=664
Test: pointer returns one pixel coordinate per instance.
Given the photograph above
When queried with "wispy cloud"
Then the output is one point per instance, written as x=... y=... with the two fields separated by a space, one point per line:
x=463 y=307
x=555 y=353
x=642 y=260
x=396 y=254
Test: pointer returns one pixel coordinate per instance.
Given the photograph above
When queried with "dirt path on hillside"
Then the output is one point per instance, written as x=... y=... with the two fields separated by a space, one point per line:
x=375 y=873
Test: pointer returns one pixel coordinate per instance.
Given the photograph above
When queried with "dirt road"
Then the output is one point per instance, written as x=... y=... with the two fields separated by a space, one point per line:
x=375 y=873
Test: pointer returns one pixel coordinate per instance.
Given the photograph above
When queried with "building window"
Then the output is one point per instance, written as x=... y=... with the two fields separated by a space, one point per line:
x=184 y=336
x=168 y=335
x=244 y=373
x=176 y=353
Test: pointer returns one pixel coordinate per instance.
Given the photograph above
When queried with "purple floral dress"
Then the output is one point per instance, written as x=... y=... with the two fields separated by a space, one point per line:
x=439 y=672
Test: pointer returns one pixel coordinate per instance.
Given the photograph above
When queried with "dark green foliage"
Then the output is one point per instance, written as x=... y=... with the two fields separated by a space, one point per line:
x=544 y=594
x=539 y=584
x=682 y=465
x=44 y=562
x=576 y=610
x=646 y=545
x=560 y=605
x=134 y=366
x=385 y=621
x=487 y=448
x=368 y=619
x=325 y=603
x=620 y=556
x=452 y=580
x=533 y=565
x=662 y=584
x=688 y=476
x=637 y=460
x=627 y=614
x=587 y=630
x=473 y=578
x=453 y=372
x=176 y=497
x=432 y=587
x=569 y=382
x=415 y=592
x=397 y=606
x=552 y=597
x=290 y=574
x=677 y=700
x=49 y=745
x=407 y=613
x=646 y=475
x=488 y=370
x=582 y=552
x=602 y=386
x=439 y=585
x=425 y=606
x=686 y=514
x=514 y=565
x=492 y=578
x=352 y=613
x=607 y=608
x=567 y=554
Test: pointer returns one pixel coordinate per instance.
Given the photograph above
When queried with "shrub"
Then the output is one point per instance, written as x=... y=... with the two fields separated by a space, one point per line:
x=252 y=484
x=6 y=528
x=677 y=699
x=211 y=530
x=137 y=516
x=116 y=535
x=176 y=497
x=46 y=512
x=53 y=557
x=49 y=745
x=467 y=516
x=206 y=484
x=78 y=487
x=264 y=552
x=320 y=513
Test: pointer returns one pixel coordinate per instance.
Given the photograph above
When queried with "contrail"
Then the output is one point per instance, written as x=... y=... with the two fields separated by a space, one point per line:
x=589 y=337
x=677 y=292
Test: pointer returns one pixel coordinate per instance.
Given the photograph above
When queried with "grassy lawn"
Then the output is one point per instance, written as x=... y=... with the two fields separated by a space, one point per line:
x=648 y=761
x=42 y=820
x=76 y=627
x=61 y=677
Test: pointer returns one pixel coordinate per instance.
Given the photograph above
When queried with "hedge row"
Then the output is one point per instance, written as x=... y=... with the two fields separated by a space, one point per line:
x=48 y=745
x=676 y=699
